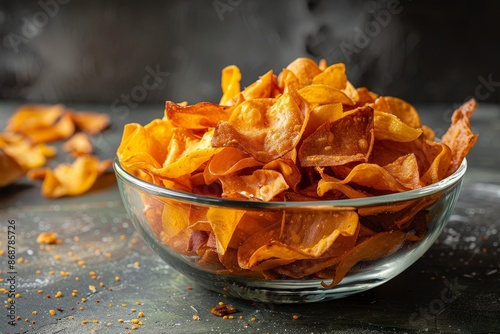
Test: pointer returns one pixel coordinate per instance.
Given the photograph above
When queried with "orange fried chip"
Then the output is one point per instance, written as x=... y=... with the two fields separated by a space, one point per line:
x=265 y=245
x=265 y=129
x=71 y=179
x=287 y=81
x=322 y=94
x=326 y=147
x=135 y=139
x=229 y=160
x=375 y=247
x=314 y=232
x=90 y=122
x=404 y=111
x=199 y=116
x=79 y=144
x=29 y=118
x=223 y=223
x=322 y=114
x=304 y=69
x=333 y=76
x=230 y=84
x=11 y=170
x=186 y=153
x=459 y=136
x=62 y=129
x=261 y=185
x=29 y=156
x=388 y=126
x=265 y=87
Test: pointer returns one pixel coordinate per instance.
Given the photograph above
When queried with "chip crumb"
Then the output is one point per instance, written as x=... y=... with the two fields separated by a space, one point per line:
x=295 y=316
x=48 y=238
x=222 y=309
x=117 y=278
x=52 y=312
x=196 y=317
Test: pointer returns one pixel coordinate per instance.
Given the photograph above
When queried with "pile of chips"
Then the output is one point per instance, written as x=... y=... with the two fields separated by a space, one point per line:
x=305 y=135
x=23 y=149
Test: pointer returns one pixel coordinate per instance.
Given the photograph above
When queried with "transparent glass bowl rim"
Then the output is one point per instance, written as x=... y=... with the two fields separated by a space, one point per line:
x=248 y=204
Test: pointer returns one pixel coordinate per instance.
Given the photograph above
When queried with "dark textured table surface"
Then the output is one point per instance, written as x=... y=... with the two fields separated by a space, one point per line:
x=453 y=288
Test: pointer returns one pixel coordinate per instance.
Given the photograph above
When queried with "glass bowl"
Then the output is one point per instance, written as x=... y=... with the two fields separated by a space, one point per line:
x=170 y=222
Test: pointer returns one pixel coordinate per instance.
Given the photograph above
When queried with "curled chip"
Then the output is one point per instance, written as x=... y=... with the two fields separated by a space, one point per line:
x=305 y=134
x=90 y=122
x=11 y=170
x=71 y=179
x=347 y=139
x=79 y=144
x=266 y=129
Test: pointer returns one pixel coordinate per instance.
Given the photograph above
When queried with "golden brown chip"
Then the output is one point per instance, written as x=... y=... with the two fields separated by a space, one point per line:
x=262 y=185
x=29 y=156
x=333 y=76
x=79 y=144
x=459 y=136
x=375 y=247
x=388 y=126
x=322 y=94
x=11 y=170
x=322 y=114
x=265 y=87
x=404 y=111
x=198 y=116
x=90 y=122
x=348 y=139
x=264 y=128
x=29 y=118
x=71 y=179
x=304 y=69
x=230 y=84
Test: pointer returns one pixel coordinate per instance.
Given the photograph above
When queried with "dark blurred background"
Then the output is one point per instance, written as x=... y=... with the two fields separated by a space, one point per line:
x=125 y=53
